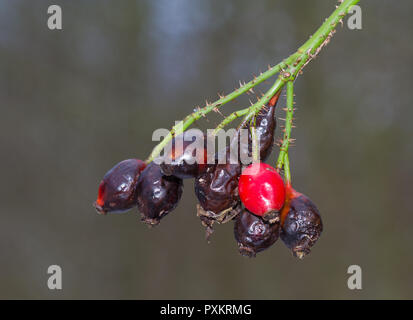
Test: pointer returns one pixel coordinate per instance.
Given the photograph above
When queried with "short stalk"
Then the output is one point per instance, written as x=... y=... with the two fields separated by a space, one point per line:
x=254 y=141
x=287 y=172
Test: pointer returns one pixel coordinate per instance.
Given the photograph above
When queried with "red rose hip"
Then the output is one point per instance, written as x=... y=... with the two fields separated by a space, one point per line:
x=262 y=190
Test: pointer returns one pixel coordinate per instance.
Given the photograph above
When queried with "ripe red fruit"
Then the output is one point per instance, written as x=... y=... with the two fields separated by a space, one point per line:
x=262 y=190
x=117 y=190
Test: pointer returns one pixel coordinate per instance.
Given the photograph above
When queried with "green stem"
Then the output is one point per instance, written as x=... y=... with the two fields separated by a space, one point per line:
x=287 y=173
x=233 y=116
x=308 y=51
x=312 y=47
x=288 y=125
x=201 y=112
x=290 y=68
x=254 y=140
x=256 y=107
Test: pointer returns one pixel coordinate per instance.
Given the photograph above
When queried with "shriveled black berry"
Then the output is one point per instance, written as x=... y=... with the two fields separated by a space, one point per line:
x=217 y=188
x=157 y=194
x=117 y=190
x=301 y=224
x=265 y=124
x=253 y=234
x=182 y=159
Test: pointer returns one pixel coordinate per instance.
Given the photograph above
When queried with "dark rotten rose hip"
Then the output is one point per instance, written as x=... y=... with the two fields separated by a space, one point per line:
x=217 y=193
x=117 y=190
x=186 y=155
x=217 y=188
x=265 y=124
x=301 y=224
x=158 y=194
x=253 y=234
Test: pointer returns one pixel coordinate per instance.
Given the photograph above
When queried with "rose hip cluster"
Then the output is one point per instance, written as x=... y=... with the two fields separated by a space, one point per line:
x=252 y=194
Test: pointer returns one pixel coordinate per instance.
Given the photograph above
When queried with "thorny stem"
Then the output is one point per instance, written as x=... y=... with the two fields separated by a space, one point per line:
x=288 y=126
x=201 y=112
x=256 y=107
x=230 y=118
x=290 y=68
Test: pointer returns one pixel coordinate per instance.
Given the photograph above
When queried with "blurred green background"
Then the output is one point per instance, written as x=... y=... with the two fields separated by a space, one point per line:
x=77 y=101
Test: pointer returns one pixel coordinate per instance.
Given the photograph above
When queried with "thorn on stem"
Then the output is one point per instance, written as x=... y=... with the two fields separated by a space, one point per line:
x=218 y=111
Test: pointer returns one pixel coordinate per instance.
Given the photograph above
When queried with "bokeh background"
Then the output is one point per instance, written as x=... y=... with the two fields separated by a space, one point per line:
x=77 y=101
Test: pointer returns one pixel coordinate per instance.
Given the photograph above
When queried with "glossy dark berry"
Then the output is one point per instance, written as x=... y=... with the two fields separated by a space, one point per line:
x=253 y=234
x=157 y=194
x=265 y=124
x=301 y=224
x=261 y=189
x=182 y=159
x=217 y=188
x=117 y=190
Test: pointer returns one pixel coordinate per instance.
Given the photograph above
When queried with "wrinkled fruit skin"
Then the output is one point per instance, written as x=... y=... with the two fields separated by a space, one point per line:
x=301 y=225
x=216 y=189
x=157 y=194
x=182 y=160
x=261 y=189
x=253 y=234
x=117 y=190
